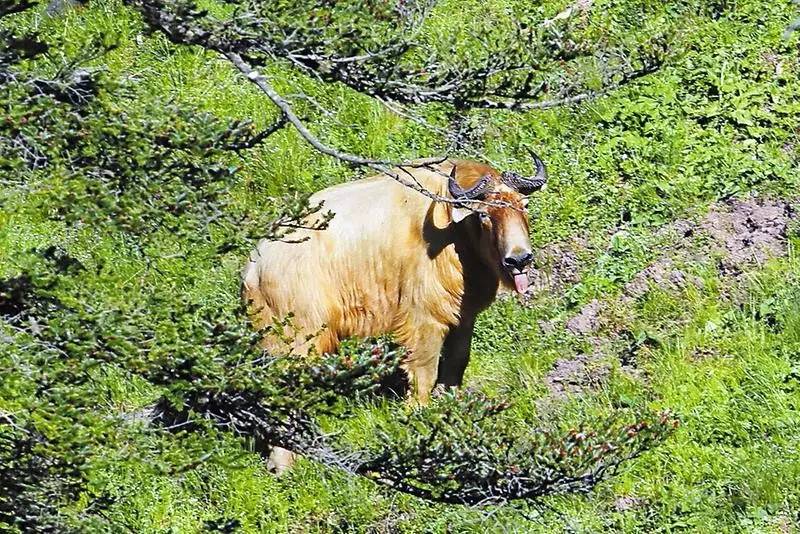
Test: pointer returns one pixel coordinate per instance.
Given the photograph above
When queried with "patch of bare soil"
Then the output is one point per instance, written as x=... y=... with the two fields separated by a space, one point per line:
x=748 y=232
x=587 y=320
x=662 y=273
x=628 y=502
x=556 y=266
x=571 y=376
x=741 y=233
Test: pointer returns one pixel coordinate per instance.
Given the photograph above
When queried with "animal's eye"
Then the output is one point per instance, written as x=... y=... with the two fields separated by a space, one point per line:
x=484 y=217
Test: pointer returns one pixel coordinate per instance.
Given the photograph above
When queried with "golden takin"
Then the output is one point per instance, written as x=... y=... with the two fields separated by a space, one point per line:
x=392 y=260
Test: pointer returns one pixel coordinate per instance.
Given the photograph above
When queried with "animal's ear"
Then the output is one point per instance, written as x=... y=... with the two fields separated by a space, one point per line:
x=459 y=213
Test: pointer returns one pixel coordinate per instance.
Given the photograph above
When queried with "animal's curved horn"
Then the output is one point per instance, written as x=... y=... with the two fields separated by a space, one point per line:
x=526 y=186
x=472 y=193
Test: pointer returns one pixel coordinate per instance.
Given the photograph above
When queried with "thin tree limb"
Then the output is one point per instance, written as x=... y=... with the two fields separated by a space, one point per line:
x=516 y=105
x=279 y=123
x=381 y=166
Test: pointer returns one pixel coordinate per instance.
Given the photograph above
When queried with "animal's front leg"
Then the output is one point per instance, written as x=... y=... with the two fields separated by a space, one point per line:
x=422 y=362
x=455 y=354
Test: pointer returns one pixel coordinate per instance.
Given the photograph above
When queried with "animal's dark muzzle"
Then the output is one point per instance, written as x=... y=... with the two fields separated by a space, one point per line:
x=518 y=261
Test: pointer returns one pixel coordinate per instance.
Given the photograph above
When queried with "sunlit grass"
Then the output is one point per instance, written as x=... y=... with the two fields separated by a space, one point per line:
x=734 y=465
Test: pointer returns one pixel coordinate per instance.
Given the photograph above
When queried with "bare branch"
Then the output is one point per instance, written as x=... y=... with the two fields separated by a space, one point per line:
x=397 y=110
x=517 y=105
x=279 y=123
x=514 y=71
x=261 y=82
x=381 y=166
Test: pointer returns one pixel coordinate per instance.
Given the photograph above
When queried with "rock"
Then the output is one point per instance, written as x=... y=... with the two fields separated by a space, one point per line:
x=57 y=7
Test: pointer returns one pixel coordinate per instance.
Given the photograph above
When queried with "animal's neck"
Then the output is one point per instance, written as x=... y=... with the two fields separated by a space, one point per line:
x=452 y=248
x=481 y=280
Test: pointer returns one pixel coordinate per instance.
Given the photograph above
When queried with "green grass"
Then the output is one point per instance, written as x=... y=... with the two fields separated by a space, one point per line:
x=719 y=120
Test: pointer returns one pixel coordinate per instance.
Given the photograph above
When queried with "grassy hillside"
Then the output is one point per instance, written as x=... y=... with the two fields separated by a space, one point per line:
x=667 y=277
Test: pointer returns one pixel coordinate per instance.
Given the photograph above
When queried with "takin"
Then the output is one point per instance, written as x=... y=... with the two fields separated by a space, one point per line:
x=394 y=261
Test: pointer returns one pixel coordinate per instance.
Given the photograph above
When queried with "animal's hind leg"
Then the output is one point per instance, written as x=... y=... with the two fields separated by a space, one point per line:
x=422 y=362
x=257 y=309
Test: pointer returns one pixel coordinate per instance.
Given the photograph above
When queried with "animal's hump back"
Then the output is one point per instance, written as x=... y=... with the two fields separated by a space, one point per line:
x=386 y=188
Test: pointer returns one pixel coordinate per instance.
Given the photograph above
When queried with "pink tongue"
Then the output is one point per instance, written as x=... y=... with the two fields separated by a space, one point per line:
x=521 y=282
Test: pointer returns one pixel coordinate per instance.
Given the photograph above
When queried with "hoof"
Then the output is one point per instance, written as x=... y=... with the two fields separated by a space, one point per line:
x=280 y=460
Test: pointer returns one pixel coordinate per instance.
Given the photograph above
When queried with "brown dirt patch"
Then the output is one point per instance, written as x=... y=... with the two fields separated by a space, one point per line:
x=662 y=273
x=573 y=375
x=587 y=320
x=556 y=266
x=628 y=502
x=748 y=232
x=742 y=233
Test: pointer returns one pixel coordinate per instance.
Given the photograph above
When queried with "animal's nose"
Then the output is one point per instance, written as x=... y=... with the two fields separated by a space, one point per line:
x=518 y=261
